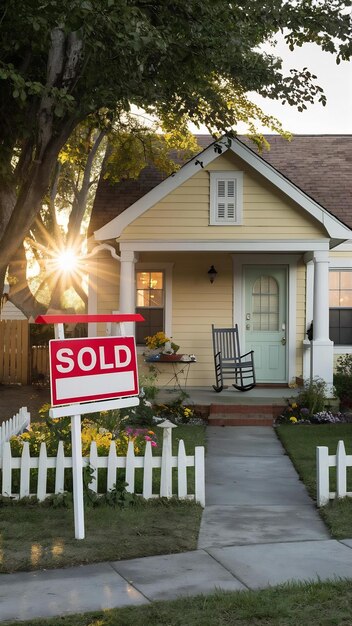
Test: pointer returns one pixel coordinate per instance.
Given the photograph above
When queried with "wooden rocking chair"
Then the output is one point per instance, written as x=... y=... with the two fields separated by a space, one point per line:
x=229 y=362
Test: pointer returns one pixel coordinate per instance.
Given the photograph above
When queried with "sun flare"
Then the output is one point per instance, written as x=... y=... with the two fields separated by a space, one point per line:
x=67 y=260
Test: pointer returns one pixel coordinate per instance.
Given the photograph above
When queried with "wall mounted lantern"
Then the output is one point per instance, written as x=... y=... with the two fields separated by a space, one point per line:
x=212 y=273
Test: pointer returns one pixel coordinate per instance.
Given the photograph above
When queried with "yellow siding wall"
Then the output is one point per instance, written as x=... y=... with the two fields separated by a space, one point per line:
x=184 y=213
x=341 y=255
x=196 y=305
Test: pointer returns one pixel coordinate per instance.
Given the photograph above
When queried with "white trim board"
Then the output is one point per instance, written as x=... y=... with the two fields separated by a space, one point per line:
x=115 y=227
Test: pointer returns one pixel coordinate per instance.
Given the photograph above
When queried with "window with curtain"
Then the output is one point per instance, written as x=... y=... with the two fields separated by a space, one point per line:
x=150 y=302
x=340 y=305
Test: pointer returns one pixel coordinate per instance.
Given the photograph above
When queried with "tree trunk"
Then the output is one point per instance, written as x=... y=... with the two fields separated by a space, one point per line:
x=29 y=200
x=20 y=294
x=64 y=60
x=80 y=204
x=7 y=202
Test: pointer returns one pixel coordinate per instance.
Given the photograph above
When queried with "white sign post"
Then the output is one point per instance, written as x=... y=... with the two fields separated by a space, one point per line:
x=77 y=476
x=101 y=373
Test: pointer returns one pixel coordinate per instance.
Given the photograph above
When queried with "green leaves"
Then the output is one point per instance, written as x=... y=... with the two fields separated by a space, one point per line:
x=156 y=55
x=186 y=61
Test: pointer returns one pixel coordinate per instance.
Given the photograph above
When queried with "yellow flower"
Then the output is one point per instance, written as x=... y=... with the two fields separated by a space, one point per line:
x=156 y=341
x=293 y=419
x=294 y=405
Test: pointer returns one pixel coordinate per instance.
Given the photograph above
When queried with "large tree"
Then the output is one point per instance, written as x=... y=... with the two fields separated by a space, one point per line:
x=49 y=269
x=62 y=60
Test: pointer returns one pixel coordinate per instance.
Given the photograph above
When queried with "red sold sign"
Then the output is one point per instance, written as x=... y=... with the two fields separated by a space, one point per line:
x=96 y=368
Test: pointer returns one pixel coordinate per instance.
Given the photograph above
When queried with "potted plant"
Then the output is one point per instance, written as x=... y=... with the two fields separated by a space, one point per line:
x=160 y=346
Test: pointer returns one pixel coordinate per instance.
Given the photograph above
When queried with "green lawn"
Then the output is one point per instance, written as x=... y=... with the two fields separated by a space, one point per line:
x=300 y=443
x=320 y=604
x=35 y=537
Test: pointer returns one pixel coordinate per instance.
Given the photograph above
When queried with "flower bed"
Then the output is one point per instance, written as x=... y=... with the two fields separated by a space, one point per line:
x=104 y=429
x=295 y=413
x=311 y=407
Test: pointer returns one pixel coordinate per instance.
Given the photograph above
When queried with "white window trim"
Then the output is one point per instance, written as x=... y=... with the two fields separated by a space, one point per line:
x=238 y=200
x=341 y=265
x=167 y=269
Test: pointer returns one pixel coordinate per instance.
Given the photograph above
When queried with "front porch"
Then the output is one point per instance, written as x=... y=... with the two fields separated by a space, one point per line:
x=257 y=407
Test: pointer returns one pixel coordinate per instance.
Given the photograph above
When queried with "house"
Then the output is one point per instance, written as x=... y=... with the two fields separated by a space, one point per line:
x=8 y=311
x=276 y=227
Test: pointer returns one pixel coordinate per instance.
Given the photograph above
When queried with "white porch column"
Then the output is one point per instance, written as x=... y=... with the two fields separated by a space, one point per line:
x=127 y=290
x=322 y=362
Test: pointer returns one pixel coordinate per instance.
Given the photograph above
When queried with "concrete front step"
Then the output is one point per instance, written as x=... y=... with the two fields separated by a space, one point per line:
x=240 y=420
x=243 y=415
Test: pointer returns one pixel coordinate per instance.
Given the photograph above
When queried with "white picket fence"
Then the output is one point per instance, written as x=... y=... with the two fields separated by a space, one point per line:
x=112 y=463
x=14 y=426
x=341 y=461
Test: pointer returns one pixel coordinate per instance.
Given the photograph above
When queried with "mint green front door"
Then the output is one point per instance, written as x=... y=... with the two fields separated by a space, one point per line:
x=265 y=320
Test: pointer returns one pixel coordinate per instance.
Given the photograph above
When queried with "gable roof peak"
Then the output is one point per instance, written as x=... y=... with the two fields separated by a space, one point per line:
x=307 y=169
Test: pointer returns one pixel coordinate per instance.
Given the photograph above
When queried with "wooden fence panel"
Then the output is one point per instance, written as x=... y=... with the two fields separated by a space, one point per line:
x=40 y=368
x=24 y=357
x=14 y=341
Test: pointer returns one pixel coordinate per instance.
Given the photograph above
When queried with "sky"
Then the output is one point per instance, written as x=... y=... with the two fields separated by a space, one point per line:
x=336 y=80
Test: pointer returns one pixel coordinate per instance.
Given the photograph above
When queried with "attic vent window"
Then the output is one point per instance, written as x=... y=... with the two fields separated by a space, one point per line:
x=226 y=191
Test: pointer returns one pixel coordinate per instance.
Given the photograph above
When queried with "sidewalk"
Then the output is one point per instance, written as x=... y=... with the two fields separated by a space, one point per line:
x=259 y=528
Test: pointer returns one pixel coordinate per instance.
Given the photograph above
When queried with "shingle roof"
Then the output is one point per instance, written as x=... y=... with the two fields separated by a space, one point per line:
x=320 y=165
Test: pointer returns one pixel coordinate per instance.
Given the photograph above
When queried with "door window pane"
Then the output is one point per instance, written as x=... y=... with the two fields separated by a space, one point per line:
x=265 y=304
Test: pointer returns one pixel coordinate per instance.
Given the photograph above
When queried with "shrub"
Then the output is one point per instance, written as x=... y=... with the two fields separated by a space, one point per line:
x=141 y=415
x=343 y=380
x=310 y=406
x=313 y=396
x=147 y=385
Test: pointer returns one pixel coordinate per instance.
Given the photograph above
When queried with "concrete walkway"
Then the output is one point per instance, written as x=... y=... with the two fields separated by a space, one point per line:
x=253 y=494
x=259 y=528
